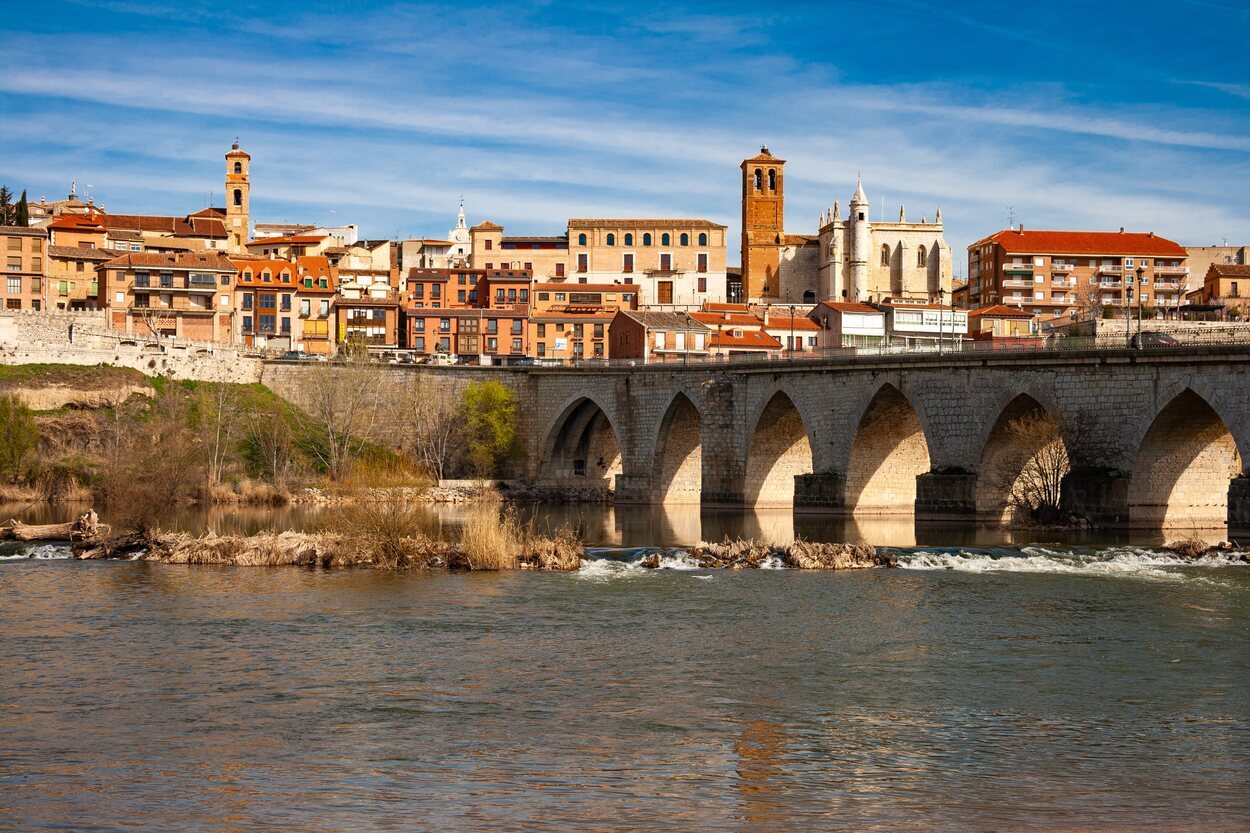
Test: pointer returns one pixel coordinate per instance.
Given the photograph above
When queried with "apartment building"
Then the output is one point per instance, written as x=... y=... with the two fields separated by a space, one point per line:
x=481 y=316
x=314 y=299
x=265 y=292
x=650 y=336
x=1053 y=273
x=25 y=250
x=1225 y=292
x=183 y=295
x=571 y=320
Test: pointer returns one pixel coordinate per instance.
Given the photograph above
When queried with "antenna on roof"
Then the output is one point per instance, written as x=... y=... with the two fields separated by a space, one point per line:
x=1011 y=217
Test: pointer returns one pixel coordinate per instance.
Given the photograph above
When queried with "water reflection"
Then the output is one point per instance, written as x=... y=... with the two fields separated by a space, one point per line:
x=640 y=526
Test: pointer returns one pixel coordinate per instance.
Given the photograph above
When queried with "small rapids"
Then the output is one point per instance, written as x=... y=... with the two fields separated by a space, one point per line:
x=37 y=552
x=602 y=564
x=1127 y=562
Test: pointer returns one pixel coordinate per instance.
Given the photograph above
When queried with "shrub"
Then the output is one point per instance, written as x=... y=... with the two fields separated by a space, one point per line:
x=488 y=412
x=18 y=435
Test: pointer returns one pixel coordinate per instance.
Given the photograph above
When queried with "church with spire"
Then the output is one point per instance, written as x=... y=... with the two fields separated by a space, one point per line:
x=851 y=258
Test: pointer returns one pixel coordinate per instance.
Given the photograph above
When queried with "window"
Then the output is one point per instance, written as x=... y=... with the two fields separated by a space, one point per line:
x=685 y=239
x=167 y=280
x=499 y=295
x=266 y=277
x=646 y=239
x=418 y=290
x=611 y=239
x=703 y=284
x=559 y=296
x=238 y=167
x=15 y=286
x=629 y=239
x=247 y=323
x=542 y=349
x=517 y=324
x=286 y=302
x=15 y=244
x=36 y=264
x=444 y=345
x=772 y=179
x=759 y=180
x=267 y=300
x=702 y=267
x=79 y=266
x=627 y=264
x=305 y=307
x=492 y=325
x=492 y=345
x=659 y=340
x=525 y=296
x=460 y=296
x=238 y=196
x=247 y=300
x=119 y=298
x=325 y=306
x=542 y=330
x=598 y=331
x=581 y=239
x=666 y=262
x=885 y=255
x=141 y=300
x=583 y=262
x=419 y=345
x=286 y=325
x=702 y=238
x=559 y=270
x=922 y=257
x=529 y=267
x=436 y=291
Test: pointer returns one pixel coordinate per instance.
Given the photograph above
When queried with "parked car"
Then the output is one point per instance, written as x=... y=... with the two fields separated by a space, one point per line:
x=442 y=359
x=1151 y=340
x=300 y=356
x=524 y=361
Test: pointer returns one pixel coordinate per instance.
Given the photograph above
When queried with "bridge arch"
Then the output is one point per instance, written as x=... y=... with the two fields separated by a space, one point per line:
x=1183 y=466
x=1024 y=459
x=889 y=451
x=677 y=471
x=582 y=445
x=779 y=450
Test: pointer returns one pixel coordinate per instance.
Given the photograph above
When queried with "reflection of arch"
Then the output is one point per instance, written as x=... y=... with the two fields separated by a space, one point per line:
x=779 y=451
x=582 y=444
x=678 y=469
x=888 y=454
x=1023 y=462
x=1183 y=467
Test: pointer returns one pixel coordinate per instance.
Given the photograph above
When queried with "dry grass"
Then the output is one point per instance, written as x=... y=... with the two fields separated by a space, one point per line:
x=493 y=541
x=1191 y=547
x=251 y=492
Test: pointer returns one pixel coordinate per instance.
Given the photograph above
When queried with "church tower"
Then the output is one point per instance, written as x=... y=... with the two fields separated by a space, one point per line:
x=763 y=225
x=861 y=241
x=238 y=187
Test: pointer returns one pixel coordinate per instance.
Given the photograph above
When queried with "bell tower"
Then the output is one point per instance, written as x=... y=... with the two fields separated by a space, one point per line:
x=238 y=187
x=763 y=225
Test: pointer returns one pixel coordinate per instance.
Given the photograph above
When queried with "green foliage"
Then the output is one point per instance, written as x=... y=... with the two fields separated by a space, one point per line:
x=18 y=435
x=1108 y=311
x=488 y=411
x=21 y=216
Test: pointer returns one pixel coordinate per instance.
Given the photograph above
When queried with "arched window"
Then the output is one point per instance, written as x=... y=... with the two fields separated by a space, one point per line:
x=665 y=239
x=809 y=297
x=703 y=238
x=238 y=167
x=685 y=239
x=922 y=257
x=885 y=255
x=629 y=239
x=759 y=180
x=581 y=239
x=238 y=196
x=611 y=239
x=646 y=239
x=772 y=179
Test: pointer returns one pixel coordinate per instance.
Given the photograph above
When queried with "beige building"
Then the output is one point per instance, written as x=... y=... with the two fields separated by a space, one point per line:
x=1202 y=258
x=25 y=250
x=851 y=258
x=183 y=295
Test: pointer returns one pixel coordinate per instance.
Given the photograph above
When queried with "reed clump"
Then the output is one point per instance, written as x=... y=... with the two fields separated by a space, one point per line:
x=1191 y=547
x=490 y=540
x=751 y=553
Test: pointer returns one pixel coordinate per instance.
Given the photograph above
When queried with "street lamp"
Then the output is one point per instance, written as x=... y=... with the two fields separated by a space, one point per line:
x=792 y=331
x=1141 y=272
x=941 y=316
x=1127 y=304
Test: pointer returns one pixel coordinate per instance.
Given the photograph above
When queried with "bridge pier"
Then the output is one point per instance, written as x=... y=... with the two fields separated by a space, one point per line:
x=633 y=489
x=1099 y=495
x=1239 y=506
x=820 y=490
x=946 y=495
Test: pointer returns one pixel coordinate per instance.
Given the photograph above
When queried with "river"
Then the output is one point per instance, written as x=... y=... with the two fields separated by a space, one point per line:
x=987 y=686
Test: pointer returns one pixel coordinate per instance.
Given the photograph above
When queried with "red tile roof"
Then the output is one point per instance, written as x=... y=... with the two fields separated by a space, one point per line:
x=848 y=306
x=999 y=311
x=294 y=239
x=1020 y=241
x=180 y=260
x=785 y=322
x=190 y=226
x=1230 y=270
x=728 y=319
x=643 y=224
x=750 y=339
x=77 y=222
x=586 y=287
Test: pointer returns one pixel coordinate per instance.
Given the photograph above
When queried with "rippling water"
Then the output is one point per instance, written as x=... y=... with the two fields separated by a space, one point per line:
x=1042 y=688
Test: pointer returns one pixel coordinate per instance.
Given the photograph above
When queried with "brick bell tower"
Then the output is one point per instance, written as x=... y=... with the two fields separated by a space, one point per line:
x=238 y=188
x=763 y=225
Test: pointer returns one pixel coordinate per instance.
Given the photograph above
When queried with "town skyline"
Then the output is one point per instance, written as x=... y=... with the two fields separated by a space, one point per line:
x=1152 y=145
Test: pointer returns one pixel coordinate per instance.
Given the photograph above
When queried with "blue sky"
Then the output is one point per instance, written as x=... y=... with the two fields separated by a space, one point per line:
x=1077 y=115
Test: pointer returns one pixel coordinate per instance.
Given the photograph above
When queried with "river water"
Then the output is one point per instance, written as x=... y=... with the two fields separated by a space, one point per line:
x=987 y=686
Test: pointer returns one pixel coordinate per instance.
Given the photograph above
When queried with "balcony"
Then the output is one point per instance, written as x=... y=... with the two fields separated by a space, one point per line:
x=1057 y=266
x=1111 y=270
x=1171 y=270
x=1018 y=269
x=1109 y=284
x=1017 y=282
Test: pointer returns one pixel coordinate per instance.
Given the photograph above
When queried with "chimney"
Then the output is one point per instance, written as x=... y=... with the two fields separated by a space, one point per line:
x=766 y=315
x=1121 y=229
x=1021 y=229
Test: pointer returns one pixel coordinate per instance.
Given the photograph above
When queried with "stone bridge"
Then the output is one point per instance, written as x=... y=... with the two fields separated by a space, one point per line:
x=1155 y=439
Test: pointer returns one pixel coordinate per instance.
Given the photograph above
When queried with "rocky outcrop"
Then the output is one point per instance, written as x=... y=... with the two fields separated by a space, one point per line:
x=1195 y=547
x=745 y=554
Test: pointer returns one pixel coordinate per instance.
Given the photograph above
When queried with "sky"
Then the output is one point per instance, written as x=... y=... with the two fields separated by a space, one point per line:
x=1087 y=115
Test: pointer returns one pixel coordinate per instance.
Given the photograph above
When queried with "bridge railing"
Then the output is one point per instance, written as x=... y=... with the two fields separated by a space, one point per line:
x=1148 y=342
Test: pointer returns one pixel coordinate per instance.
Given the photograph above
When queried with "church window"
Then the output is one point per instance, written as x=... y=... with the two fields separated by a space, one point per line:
x=629 y=239
x=581 y=239
x=922 y=257
x=685 y=239
x=885 y=255
x=611 y=239
x=646 y=239
x=238 y=196
x=759 y=180
x=665 y=239
x=772 y=179
x=238 y=167
x=809 y=297
x=703 y=238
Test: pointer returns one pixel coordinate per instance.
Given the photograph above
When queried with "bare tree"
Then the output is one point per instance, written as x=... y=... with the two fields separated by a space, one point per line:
x=1029 y=465
x=434 y=427
x=1088 y=302
x=271 y=446
x=341 y=406
x=156 y=319
x=219 y=414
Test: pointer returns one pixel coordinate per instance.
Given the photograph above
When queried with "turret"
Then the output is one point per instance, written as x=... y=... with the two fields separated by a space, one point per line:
x=861 y=242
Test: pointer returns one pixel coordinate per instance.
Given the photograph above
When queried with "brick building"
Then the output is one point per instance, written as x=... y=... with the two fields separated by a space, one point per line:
x=25 y=250
x=183 y=295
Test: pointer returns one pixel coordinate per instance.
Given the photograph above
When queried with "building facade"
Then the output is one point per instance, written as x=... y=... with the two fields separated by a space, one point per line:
x=25 y=253
x=169 y=295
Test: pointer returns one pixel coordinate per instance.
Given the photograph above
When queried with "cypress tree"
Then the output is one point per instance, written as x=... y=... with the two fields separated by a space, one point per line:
x=22 y=213
x=6 y=209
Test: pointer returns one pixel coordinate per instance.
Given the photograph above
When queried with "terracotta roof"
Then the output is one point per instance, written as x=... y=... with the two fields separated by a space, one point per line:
x=190 y=226
x=120 y=234
x=77 y=222
x=586 y=313
x=219 y=213
x=764 y=156
x=724 y=307
x=502 y=275
x=251 y=270
x=750 y=339
x=999 y=311
x=1019 y=241
x=296 y=239
x=81 y=253
x=801 y=240
x=557 y=238
x=849 y=306
x=487 y=225
x=727 y=319
x=1230 y=270
x=586 y=287
x=643 y=224
x=155 y=260
x=664 y=320
x=782 y=322
x=22 y=231
x=436 y=242
x=234 y=151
